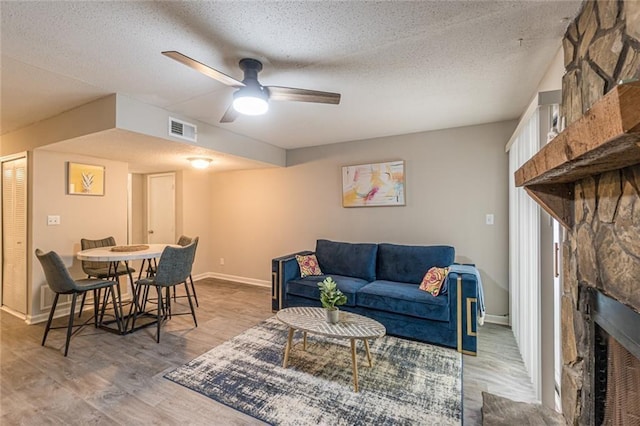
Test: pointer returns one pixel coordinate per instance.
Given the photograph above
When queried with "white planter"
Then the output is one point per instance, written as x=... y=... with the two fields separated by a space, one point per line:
x=333 y=315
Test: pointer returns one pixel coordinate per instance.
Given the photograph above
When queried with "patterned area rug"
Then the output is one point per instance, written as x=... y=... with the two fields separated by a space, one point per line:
x=410 y=383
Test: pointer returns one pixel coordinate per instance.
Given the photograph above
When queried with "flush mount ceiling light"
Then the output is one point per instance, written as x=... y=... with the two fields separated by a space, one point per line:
x=200 y=163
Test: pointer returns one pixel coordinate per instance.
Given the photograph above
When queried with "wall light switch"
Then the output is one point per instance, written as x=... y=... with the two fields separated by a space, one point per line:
x=53 y=220
x=222 y=261
x=489 y=219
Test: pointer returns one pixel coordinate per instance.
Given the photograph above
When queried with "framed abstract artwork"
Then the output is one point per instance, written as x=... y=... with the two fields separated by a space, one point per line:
x=85 y=179
x=375 y=184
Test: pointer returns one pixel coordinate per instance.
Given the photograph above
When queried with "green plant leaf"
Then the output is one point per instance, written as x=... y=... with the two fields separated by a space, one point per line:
x=330 y=294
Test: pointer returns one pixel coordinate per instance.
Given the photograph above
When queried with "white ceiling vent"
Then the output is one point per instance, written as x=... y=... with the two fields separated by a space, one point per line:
x=182 y=129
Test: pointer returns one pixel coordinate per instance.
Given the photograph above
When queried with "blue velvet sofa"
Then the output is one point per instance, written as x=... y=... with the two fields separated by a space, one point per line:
x=381 y=282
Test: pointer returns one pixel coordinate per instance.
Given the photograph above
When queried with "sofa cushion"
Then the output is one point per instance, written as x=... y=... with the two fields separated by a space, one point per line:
x=347 y=259
x=403 y=298
x=409 y=264
x=308 y=287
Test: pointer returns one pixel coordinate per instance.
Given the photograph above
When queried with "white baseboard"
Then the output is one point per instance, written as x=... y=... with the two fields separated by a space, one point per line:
x=63 y=308
x=233 y=278
x=36 y=319
x=61 y=311
x=497 y=319
x=14 y=313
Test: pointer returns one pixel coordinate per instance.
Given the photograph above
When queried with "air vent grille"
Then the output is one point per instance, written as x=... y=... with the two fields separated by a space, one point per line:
x=183 y=130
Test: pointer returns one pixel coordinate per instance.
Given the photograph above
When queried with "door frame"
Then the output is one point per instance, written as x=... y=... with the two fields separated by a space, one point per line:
x=27 y=245
x=148 y=199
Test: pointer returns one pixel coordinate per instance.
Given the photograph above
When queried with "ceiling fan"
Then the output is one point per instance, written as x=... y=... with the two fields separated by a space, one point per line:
x=252 y=98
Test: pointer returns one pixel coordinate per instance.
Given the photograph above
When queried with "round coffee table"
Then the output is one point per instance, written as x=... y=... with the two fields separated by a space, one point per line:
x=314 y=320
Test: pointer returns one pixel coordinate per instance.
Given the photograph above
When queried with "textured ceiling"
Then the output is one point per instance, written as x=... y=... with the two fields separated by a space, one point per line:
x=401 y=67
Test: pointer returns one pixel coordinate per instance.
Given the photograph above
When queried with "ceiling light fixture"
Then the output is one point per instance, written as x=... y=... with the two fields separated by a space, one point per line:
x=251 y=100
x=200 y=162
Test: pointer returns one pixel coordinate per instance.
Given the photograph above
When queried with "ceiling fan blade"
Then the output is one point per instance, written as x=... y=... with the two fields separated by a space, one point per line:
x=277 y=93
x=230 y=115
x=204 y=69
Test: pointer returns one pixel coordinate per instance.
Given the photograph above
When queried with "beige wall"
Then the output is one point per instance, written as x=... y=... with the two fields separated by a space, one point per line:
x=453 y=178
x=91 y=217
x=138 y=209
x=552 y=79
x=193 y=212
x=194 y=215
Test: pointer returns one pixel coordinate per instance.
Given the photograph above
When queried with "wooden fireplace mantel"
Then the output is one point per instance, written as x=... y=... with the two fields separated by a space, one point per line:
x=606 y=138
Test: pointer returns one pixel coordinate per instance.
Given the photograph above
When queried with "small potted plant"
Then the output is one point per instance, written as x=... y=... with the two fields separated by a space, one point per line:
x=331 y=297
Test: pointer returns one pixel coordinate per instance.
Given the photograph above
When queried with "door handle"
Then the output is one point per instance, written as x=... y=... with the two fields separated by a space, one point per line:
x=150 y=231
x=556 y=260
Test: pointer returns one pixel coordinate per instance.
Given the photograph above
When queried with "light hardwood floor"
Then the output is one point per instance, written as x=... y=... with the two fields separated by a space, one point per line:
x=110 y=379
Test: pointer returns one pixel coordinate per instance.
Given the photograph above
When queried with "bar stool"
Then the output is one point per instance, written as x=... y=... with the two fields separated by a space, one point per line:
x=61 y=282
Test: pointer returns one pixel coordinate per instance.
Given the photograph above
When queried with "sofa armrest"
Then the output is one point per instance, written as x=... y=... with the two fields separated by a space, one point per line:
x=283 y=269
x=462 y=282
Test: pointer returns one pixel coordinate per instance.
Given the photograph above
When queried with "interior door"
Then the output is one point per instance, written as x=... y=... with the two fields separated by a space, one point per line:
x=161 y=208
x=14 y=235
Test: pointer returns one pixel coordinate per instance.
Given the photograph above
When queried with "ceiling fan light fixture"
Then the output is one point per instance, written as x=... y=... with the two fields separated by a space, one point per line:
x=249 y=101
x=251 y=97
x=200 y=162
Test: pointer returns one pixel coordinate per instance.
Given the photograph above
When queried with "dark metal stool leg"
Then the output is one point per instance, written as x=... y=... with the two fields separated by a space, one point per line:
x=84 y=296
x=167 y=306
x=48 y=327
x=143 y=303
x=160 y=308
x=122 y=327
x=193 y=312
x=70 y=326
x=95 y=307
x=193 y=287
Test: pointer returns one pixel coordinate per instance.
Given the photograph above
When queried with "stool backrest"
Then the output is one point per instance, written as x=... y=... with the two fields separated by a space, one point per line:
x=87 y=265
x=57 y=274
x=185 y=241
x=174 y=266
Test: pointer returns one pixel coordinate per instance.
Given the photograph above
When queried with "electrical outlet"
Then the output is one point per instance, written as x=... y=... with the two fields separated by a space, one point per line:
x=53 y=220
x=222 y=260
x=489 y=219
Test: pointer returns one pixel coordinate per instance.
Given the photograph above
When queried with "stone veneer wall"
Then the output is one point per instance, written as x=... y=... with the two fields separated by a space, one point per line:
x=601 y=47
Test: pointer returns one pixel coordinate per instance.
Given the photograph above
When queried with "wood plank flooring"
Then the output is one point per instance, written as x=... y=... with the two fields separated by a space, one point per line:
x=110 y=379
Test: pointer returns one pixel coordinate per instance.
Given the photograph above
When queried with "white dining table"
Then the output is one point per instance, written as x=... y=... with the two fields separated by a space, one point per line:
x=107 y=254
x=116 y=254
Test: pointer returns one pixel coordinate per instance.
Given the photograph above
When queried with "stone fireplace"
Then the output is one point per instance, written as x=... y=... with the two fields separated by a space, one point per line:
x=602 y=257
x=589 y=179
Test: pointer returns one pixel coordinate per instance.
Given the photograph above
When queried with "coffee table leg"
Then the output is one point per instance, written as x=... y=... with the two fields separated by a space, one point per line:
x=287 y=348
x=354 y=362
x=366 y=346
x=304 y=340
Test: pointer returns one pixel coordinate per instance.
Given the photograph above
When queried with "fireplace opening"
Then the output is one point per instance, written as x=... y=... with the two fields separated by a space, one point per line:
x=616 y=382
x=616 y=363
x=622 y=403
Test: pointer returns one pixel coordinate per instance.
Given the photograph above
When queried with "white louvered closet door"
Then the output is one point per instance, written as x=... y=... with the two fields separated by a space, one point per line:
x=14 y=235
